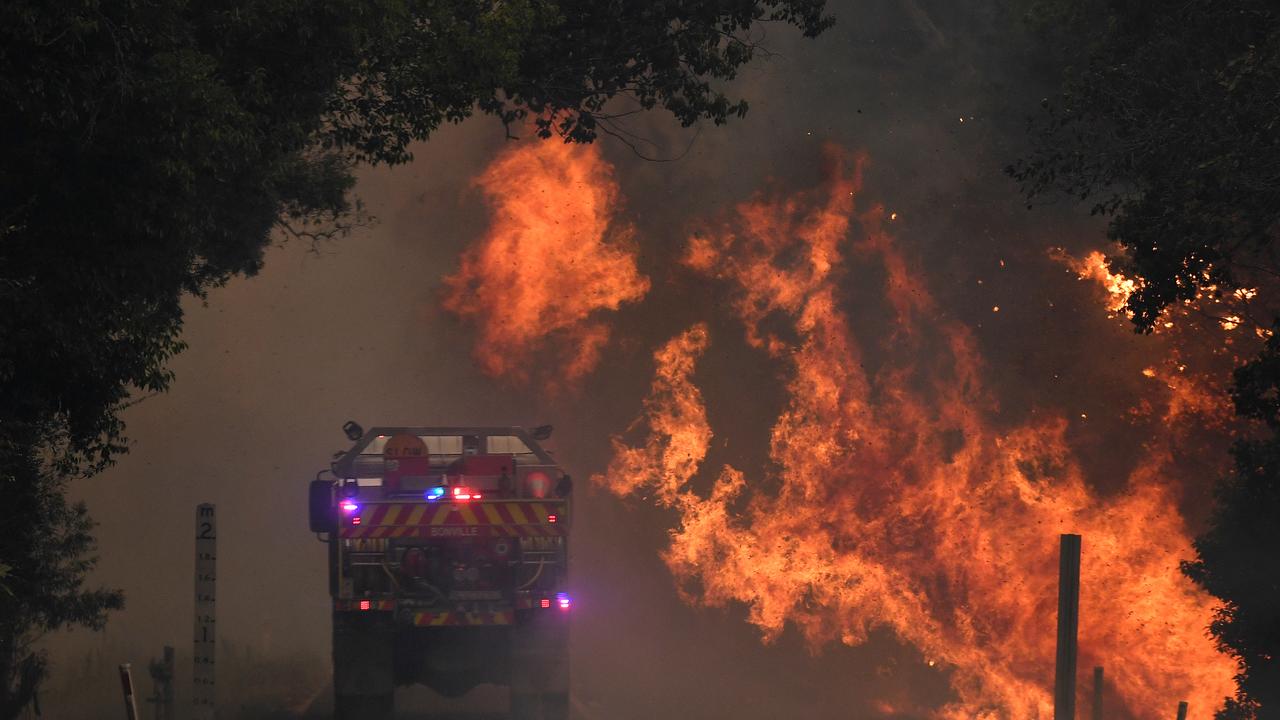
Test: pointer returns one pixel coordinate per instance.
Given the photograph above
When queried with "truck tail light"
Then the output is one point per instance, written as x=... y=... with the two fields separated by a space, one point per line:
x=546 y=603
x=365 y=605
x=552 y=518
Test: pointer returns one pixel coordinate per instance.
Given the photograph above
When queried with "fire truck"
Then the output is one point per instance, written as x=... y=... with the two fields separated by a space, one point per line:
x=448 y=566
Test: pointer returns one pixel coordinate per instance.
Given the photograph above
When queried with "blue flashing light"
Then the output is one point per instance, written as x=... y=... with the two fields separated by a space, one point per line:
x=562 y=601
x=349 y=507
x=435 y=493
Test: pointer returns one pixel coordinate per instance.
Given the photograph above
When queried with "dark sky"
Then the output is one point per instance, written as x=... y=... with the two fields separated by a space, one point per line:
x=351 y=330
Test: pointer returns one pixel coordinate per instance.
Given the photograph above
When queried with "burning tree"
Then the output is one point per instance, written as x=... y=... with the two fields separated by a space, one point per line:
x=1166 y=124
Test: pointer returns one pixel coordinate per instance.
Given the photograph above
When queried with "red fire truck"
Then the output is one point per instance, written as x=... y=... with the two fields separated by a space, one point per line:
x=448 y=566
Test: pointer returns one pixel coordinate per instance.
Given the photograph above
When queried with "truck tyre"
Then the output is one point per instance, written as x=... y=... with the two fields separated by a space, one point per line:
x=363 y=665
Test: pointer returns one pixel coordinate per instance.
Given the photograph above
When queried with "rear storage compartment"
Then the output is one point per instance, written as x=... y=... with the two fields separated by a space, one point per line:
x=449 y=571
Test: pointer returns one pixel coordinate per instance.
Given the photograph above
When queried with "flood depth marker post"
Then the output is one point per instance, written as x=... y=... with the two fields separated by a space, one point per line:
x=1064 y=684
x=202 y=695
x=126 y=684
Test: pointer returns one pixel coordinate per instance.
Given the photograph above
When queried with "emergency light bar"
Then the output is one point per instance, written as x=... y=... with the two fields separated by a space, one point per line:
x=459 y=493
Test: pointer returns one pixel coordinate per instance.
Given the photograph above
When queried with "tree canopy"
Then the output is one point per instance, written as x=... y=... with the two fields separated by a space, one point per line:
x=1169 y=123
x=1238 y=557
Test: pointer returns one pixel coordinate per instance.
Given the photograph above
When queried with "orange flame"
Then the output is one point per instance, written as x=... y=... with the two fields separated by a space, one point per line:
x=1094 y=267
x=899 y=502
x=553 y=259
x=1225 y=309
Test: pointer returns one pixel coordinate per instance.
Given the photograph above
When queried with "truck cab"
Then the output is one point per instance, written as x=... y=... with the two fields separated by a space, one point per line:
x=448 y=566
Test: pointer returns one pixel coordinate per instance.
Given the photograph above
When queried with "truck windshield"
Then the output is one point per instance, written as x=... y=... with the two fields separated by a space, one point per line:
x=507 y=445
x=436 y=444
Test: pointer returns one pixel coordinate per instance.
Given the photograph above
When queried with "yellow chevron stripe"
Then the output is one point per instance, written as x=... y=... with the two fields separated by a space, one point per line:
x=442 y=513
x=539 y=512
x=415 y=517
x=491 y=513
x=468 y=514
x=517 y=513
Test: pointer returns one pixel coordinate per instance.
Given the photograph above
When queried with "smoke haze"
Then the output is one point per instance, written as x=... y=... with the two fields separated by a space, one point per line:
x=935 y=94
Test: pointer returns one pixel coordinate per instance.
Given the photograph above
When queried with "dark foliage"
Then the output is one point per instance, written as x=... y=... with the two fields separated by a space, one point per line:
x=558 y=64
x=49 y=547
x=1169 y=122
x=1238 y=560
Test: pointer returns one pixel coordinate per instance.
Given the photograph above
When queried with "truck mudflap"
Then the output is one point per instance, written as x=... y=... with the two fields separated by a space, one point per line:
x=457 y=520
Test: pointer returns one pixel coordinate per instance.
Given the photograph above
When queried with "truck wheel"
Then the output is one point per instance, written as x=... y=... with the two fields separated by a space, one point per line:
x=363 y=665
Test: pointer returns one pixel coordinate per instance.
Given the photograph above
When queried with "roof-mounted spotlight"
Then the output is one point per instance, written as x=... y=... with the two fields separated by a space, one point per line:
x=353 y=430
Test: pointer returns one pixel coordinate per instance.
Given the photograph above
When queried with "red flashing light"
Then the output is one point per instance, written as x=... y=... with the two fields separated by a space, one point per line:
x=546 y=603
x=552 y=518
x=462 y=493
x=365 y=605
